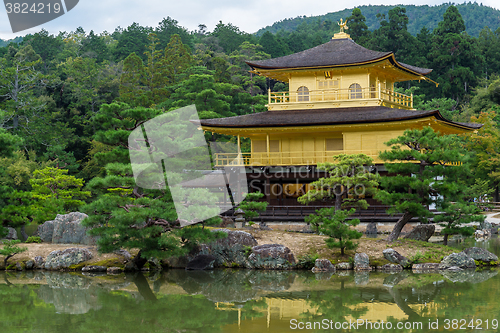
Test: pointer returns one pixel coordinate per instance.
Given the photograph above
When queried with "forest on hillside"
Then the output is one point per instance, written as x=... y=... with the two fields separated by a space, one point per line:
x=476 y=17
x=69 y=101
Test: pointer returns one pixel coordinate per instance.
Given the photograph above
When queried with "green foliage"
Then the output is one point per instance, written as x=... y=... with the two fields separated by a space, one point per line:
x=426 y=180
x=335 y=224
x=55 y=185
x=33 y=239
x=127 y=216
x=251 y=206
x=306 y=261
x=348 y=182
x=10 y=249
x=455 y=215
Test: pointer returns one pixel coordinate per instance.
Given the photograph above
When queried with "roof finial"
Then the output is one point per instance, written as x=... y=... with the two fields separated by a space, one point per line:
x=343 y=25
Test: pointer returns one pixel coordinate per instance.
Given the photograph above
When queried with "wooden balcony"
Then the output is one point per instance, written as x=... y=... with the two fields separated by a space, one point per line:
x=292 y=158
x=286 y=158
x=331 y=98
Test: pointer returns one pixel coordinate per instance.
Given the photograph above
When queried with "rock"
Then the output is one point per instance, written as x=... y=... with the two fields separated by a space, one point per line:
x=271 y=256
x=39 y=262
x=201 y=262
x=422 y=232
x=229 y=251
x=94 y=269
x=394 y=257
x=361 y=262
x=30 y=264
x=457 y=259
x=124 y=253
x=390 y=268
x=371 y=229
x=114 y=270
x=343 y=266
x=485 y=225
x=66 y=229
x=481 y=234
x=19 y=266
x=454 y=269
x=425 y=267
x=263 y=226
x=65 y=258
x=11 y=233
x=227 y=222
x=323 y=265
x=480 y=254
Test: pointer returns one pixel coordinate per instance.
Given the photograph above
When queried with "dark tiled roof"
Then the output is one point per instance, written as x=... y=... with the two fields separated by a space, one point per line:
x=334 y=116
x=336 y=52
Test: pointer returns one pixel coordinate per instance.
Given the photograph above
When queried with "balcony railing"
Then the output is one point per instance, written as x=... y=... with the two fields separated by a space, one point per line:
x=293 y=158
x=286 y=158
x=341 y=95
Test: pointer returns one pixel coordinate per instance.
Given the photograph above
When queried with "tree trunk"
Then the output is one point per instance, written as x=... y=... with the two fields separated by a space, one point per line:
x=23 y=232
x=338 y=201
x=399 y=226
x=445 y=241
x=139 y=261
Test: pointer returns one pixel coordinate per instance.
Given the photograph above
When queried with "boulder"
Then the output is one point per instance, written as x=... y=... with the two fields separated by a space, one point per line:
x=30 y=264
x=323 y=265
x=361 y=262
x=39 y=262
x=63 y=259
x=114 y=270
x=371 y=229
x=201 y=262
x=229 y=251
x=480 y=254
x=343 y=266
x=271 y=256
x=94 y=269
x=390 y=268
x=66 y=229
x=422 y=232
x=485 y=225
x=11 y=233
x=394 y=257
x=457 y=259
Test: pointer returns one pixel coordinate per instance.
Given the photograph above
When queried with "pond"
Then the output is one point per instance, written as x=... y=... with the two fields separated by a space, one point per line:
x=250 y=301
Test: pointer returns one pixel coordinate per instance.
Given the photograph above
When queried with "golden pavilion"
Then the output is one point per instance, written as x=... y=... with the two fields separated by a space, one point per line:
x=341 y=99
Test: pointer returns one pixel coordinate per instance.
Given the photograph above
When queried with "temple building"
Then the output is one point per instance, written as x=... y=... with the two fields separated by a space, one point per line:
x=341 y=99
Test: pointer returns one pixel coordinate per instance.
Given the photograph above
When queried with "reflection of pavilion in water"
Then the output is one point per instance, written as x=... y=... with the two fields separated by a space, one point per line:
x=278 y=312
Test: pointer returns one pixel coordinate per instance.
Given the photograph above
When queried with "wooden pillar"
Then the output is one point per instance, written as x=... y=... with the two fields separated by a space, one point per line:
x=268 y=148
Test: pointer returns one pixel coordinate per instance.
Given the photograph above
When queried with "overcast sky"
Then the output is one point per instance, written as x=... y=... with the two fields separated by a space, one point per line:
x=248 y=15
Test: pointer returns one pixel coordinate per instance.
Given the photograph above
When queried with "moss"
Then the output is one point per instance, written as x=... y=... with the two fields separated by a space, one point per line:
x=481 y=263
x=379 y=262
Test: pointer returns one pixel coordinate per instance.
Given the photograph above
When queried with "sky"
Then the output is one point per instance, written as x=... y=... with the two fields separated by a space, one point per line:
x=248 y=15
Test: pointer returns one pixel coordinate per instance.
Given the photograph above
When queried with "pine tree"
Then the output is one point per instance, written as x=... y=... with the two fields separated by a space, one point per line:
x=419 y=174
x=358 y=30
x=334 y=223
x=125 y=215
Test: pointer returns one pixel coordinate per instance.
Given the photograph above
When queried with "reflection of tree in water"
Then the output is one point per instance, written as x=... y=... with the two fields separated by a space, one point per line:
x=336 y=305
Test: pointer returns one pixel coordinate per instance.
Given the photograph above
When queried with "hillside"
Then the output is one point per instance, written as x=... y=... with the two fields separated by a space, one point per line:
x=7 y=42
x=476 y=17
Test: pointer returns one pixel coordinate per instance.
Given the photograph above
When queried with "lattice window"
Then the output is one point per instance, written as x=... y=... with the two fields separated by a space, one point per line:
x=355 y=91
x=303 y=94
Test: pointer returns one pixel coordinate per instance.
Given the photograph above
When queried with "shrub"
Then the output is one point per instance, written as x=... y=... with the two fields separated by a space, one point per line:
x=33 y=239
